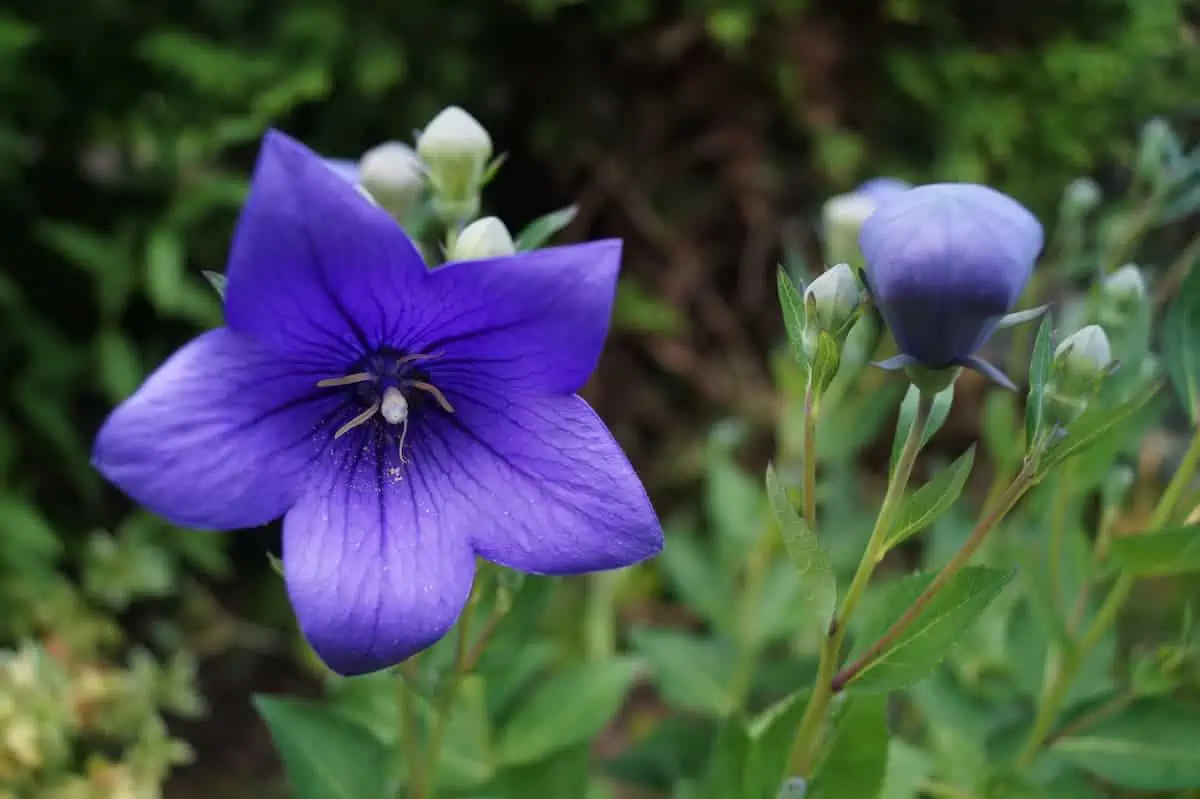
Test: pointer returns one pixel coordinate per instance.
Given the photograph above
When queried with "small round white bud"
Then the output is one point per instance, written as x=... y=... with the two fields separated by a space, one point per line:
x=392 y=174
x=1081 y=197
x=455 y=149
x=1082 y=359
x=454 y=132
x=833 y=298
x=483 y=238
x=1126 y=285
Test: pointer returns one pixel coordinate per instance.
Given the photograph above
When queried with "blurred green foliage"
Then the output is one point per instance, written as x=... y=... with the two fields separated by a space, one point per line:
x=126 y=130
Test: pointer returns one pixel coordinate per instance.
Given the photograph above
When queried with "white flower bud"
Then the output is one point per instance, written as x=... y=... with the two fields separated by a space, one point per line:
x=842 y=218
x=833 y=298
x=392 y=174
x=456 y=150
x=1126 y=285
x=1082 y=359
x=1081 y=197
x=483 y=238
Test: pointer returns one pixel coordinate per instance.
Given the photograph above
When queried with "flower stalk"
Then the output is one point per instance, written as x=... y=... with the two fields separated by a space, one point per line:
x=1020 y=484
x=1059 y=681
x=805 y=744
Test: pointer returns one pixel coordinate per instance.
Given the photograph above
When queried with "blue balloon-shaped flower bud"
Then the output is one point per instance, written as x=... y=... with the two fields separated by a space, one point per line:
x=945 y=263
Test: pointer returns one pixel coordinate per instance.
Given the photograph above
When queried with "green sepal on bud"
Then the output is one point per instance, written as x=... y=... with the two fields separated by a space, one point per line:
x=392 y=175
x=483 y=238
x=1081 y=363
x=456 y=150
x=832 y=302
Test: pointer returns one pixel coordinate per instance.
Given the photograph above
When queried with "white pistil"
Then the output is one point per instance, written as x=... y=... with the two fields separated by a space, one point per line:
x=394 y=408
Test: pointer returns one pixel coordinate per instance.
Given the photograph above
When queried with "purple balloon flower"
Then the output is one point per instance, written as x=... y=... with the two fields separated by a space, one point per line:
x=879 y=189
x=401 y=420
x=344 y=167
x=945 y=263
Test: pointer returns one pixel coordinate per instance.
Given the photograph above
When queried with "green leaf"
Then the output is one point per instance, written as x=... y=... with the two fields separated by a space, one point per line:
x=567 y=709
x=693 y=673
x=726 y=775
x=856 y=758
x=1181 y=344
x=825 y=364
x=939 y=411
x=326 y=756
x=1160 y=552
x=1153 y=745
x=466 y=755
x=540 y=230
x=1039 y=376
x=217 y=280
x=935 y=630
x=907 y=769
x=120 y=369
x=791 y=302
x=638 y=310
x=816 y=575
x=1091 y=426
x=694 y=572
x=734 y=504
x=771 y=736
x=922 y=508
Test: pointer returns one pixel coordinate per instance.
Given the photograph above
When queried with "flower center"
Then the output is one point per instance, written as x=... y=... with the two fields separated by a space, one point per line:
x=388 y=383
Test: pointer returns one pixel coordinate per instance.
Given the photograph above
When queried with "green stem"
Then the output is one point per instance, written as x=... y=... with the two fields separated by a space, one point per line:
x=462 y=645
x=1020 y=484
x=410 y=732
x=1178 y=484
x=1058 y=530
x=1056 y=689
x=804 y=745
x=811 y=408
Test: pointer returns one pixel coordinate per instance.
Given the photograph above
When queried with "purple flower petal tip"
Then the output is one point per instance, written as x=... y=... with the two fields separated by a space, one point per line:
x=879 y=189
x=344 y=167
x=945 y=263
x=403 y=421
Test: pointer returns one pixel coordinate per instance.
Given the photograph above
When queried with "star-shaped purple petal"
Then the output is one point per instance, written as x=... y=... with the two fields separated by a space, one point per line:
x=402 y=420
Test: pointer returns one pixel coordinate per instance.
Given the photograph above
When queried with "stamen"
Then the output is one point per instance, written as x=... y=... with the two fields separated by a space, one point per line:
x=437 y=394
x=417 y=356
x=362 y=418
x=348 y=380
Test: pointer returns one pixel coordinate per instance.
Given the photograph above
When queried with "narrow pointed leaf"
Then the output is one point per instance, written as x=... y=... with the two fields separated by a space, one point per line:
x=1161 y=552
x=931 y=500
x=816 y=575
x=932 y=634
x=1151 y=746
x=542 y=229
x=939 y=411
x=326 y=755
x=693 y=673
x=568 y=709
x=1093 y=425
x=1039 y=376
x=856 y=758
x=1181 y=344
x=771 y=735
x=791 y=303
x=1020 y=317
